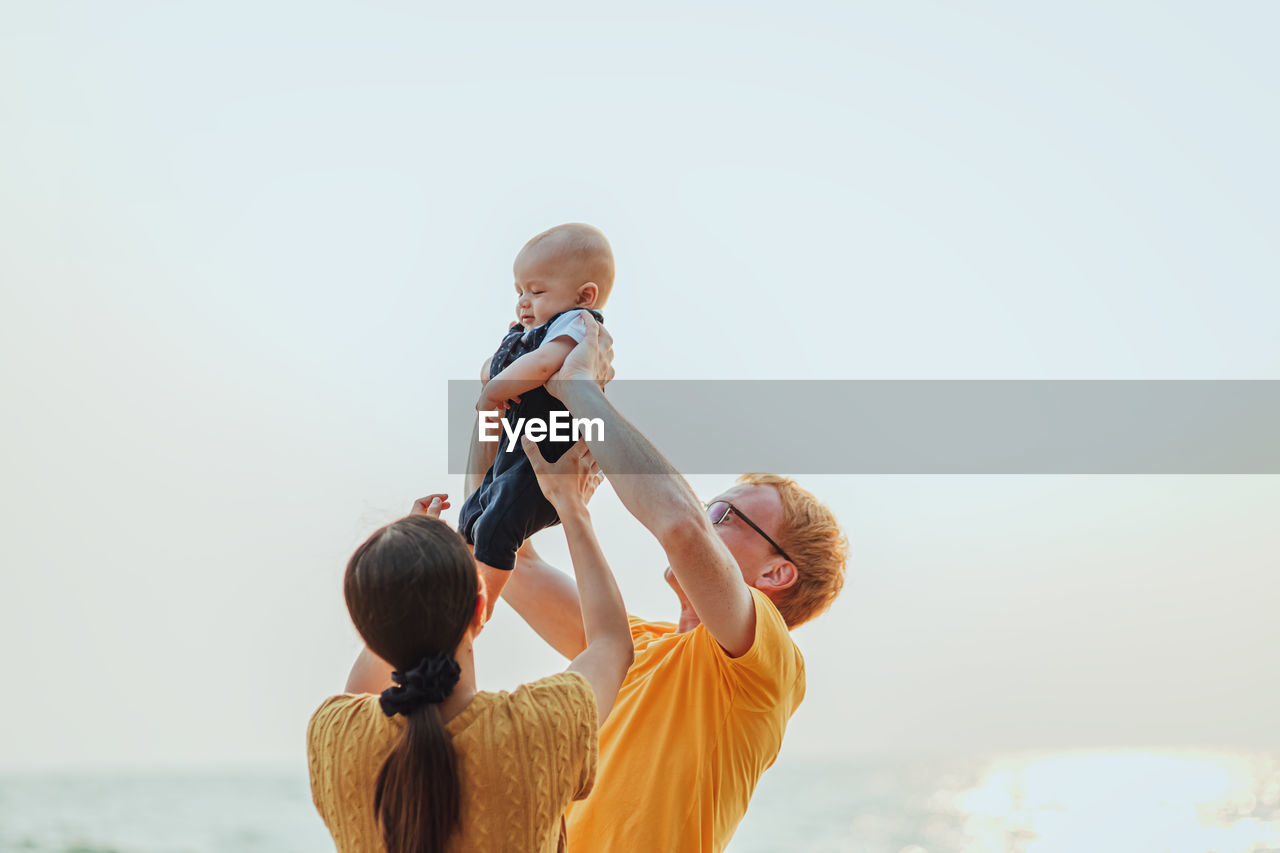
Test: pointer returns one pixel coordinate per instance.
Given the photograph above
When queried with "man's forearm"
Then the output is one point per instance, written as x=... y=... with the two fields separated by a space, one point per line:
x=649 y=487
x=547 y=599
x=660 y=499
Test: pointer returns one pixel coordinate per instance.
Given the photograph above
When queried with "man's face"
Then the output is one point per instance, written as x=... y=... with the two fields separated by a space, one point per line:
x=753 y=554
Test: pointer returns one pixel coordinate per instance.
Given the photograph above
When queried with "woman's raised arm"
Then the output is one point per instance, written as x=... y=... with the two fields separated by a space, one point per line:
x=567 y=484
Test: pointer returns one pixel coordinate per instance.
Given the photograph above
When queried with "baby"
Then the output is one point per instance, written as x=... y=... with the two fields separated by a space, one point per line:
x=561 y=275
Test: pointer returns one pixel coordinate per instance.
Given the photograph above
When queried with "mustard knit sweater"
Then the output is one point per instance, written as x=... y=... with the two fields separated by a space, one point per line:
x=522 y=757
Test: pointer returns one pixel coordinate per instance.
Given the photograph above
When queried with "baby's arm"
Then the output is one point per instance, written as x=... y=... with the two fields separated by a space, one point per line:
x=527 y=372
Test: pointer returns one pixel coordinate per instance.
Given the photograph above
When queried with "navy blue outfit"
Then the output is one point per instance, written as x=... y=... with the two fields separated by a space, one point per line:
x=509 y=507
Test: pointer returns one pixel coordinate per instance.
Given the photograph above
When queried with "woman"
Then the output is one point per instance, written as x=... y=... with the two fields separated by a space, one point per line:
x=432 y=764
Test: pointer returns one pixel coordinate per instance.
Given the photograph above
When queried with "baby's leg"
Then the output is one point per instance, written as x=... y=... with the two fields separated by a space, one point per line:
x=515 y=510
x=494 y=552
x=493 y=580
x=473 y=507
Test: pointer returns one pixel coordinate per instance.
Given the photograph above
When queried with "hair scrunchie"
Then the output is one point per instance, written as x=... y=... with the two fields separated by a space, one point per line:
x=430 y=682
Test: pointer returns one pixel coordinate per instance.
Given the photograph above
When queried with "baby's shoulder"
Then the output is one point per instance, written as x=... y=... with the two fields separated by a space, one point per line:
x=570 y=324
x=577 y=315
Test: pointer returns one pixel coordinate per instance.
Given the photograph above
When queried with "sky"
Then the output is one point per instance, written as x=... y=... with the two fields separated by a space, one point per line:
x=245 y=247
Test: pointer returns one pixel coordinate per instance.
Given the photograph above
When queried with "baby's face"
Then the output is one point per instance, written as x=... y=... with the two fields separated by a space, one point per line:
x=543 y=288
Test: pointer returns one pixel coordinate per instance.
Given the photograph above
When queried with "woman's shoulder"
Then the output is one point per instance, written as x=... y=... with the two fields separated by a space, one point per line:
x=563 y=706
x=346 y=714
x=547 y=732
x=345 y=704
x=547 y=702
x=569 y=688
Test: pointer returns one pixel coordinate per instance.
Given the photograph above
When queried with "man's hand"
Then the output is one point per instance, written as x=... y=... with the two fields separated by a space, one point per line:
x=431 y=505
x=591 y=359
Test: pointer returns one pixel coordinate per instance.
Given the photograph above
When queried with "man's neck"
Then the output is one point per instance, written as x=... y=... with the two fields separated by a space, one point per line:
x=688 y=619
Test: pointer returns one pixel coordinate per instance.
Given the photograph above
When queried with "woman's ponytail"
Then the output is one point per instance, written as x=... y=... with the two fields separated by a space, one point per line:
x=412 y=590
x=419 y=796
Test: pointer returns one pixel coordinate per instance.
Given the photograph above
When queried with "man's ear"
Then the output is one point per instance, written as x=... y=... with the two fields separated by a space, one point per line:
x=780 y=575
x=587 y=294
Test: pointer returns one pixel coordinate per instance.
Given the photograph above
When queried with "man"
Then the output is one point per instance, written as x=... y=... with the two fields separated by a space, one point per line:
x=702 y=711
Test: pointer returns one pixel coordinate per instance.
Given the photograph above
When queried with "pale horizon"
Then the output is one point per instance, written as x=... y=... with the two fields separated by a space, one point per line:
x=248 y=246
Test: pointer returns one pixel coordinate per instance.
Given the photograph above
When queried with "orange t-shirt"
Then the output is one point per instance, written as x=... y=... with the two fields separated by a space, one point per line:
x=522 y=756
x=691 y=733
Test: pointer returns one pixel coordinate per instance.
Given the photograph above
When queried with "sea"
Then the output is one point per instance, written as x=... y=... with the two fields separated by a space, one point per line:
x=1062 y=802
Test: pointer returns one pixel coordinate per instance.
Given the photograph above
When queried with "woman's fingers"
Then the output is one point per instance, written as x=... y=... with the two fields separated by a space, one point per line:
x=534 y=453
x=430 y=505
x=574 y=473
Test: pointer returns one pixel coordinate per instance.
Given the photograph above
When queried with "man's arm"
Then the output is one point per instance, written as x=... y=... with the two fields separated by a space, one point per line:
x=547 y=599
x=660 y=499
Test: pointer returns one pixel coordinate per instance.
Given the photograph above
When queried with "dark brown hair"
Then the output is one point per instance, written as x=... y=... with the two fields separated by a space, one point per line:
x=411 y=589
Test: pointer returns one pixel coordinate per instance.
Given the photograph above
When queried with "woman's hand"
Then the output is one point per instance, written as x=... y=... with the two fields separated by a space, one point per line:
x=569 y=481
x=430 y=505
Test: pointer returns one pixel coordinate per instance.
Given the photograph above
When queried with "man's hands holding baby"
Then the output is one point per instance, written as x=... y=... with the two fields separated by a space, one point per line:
x=591 y=359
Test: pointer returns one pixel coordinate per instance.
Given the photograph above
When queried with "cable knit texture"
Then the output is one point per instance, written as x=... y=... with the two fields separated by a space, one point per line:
x=522 y=757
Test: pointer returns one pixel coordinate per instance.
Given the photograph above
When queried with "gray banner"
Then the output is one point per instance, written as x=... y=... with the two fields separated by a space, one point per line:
x=940 y=427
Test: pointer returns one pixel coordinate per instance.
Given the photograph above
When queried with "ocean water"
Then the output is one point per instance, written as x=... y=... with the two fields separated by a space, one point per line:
x=1084 y=802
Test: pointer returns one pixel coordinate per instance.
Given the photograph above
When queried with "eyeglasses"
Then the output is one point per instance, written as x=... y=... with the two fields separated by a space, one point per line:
x=718 y=511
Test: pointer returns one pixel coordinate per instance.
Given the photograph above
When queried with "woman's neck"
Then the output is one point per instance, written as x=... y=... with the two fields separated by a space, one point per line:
x=465 y=690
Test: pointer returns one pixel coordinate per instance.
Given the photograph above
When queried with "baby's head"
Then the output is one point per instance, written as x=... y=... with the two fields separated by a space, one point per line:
x=569 y=266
